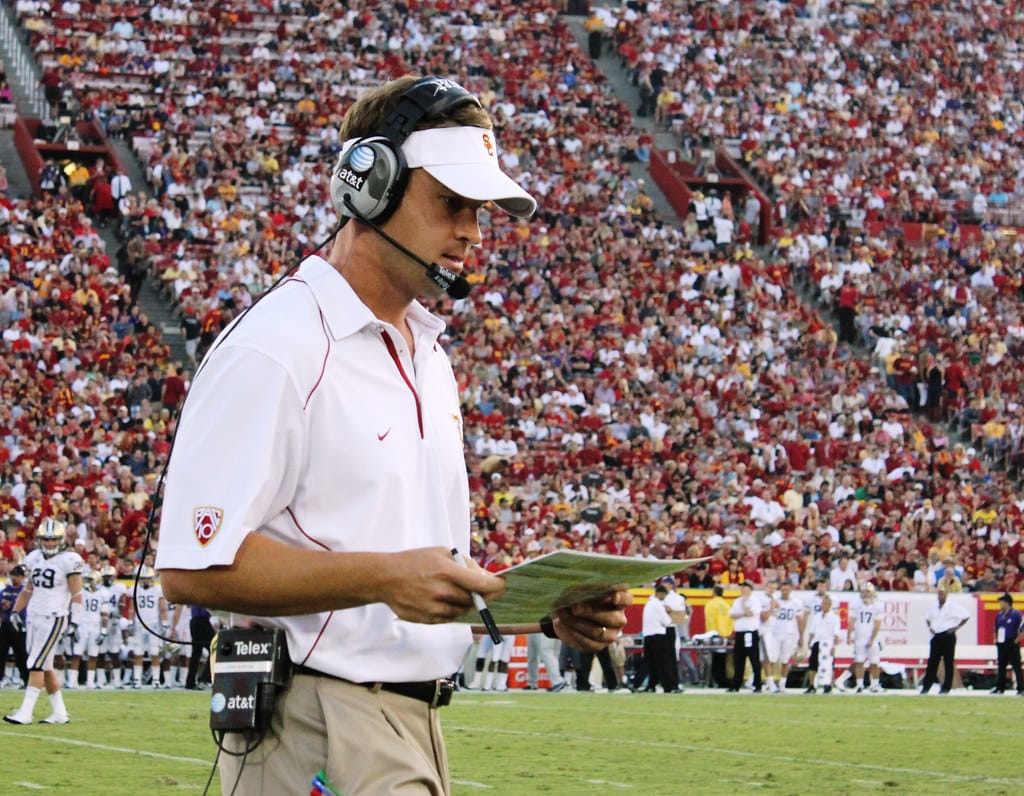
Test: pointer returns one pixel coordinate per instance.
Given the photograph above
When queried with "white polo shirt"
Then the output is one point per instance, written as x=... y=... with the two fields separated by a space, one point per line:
x=946 y=616
x=741 y=622
x=310 y=423
x=656 y=620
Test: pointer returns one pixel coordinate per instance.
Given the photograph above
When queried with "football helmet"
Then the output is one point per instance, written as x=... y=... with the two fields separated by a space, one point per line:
x=147 y=574
x=868 y=593
x=109 y=574
x=90 y=580
x=50 y=537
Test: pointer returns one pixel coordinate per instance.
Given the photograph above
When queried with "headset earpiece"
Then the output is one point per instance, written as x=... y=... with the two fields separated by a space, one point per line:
x=371 y=175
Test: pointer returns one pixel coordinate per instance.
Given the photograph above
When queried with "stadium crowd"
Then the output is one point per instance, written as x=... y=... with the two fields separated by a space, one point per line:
x=629 y=384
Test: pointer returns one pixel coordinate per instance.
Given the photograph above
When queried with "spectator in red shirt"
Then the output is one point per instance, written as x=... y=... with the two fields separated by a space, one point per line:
x=173 y=389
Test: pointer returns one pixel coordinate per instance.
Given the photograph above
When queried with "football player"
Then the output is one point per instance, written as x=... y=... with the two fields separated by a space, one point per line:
x=148 y=608
x=114 y=595
x=181 y=633
x=866 y=627
x=787 y=635
x=53 y=595
x=496 y=675
x=92 y=632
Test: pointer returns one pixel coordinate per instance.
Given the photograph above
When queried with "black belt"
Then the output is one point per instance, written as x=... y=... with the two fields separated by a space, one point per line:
x=436 y=693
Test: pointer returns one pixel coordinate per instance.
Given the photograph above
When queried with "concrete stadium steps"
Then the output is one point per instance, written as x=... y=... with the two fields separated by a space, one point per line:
x=153 y=302
x=18 y=185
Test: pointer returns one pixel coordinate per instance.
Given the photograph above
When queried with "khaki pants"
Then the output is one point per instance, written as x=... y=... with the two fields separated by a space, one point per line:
x=368 y=742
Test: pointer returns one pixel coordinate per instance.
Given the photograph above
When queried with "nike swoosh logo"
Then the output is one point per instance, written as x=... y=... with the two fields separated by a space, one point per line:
x=382 y=436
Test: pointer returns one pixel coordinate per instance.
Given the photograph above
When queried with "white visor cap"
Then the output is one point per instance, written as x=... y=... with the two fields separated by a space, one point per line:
x=465 y=160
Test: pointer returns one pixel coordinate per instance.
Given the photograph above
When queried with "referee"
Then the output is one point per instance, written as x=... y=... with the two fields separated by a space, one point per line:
x=1009 y=634
x=12 y=631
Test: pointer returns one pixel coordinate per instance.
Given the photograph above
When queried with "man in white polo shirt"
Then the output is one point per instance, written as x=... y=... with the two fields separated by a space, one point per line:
x=318 y=479
x=747 y=612
x=943 y=621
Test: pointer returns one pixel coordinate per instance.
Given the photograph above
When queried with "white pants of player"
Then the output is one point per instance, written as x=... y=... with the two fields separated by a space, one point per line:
x=863 y=652
x=44 y=636
x=88 y=641
x=542 y=650
x=825 y=660
x=114 y=640
x=145 y=643
x=498 y=653
x=781 y=649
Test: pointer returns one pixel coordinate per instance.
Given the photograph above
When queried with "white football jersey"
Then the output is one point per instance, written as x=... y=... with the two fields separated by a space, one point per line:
x=786 y=613
x=147 y=606
x=113 y=596
x=864 y=617
x=813 y=604
x=93 y=608
x=50 y=593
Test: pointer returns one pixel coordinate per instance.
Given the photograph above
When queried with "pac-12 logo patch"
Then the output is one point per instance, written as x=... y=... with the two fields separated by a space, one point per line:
x=207 y=520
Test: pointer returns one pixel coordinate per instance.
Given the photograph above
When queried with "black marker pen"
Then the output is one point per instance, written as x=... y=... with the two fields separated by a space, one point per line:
x=481 y=606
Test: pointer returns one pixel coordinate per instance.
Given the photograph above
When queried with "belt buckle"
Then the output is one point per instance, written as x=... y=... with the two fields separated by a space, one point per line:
x=443 y=690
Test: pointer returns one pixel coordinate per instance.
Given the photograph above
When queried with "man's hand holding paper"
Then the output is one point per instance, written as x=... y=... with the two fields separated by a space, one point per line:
x=581 y=596
x=592 y=625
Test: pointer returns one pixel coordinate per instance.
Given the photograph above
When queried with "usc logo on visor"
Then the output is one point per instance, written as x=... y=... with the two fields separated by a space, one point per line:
x=488 y=144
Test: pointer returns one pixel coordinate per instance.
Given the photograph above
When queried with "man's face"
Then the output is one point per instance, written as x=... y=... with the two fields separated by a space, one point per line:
x=437 y=225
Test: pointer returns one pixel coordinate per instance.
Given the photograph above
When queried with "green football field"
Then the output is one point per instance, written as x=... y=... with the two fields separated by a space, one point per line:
x=700 y=742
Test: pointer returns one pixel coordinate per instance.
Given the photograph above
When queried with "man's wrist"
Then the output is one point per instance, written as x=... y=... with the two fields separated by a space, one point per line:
x=547 y=627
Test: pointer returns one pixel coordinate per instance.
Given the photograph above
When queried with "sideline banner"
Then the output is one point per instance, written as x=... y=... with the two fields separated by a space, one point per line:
x=904 y=613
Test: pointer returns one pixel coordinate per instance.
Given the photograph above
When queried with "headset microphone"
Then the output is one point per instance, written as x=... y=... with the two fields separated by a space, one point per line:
x=455 y=285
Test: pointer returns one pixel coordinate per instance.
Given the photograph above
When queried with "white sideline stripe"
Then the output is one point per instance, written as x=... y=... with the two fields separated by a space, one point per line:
x=917 y=772
x=105 y=748
x=609 y=783
x=471 y=784
x=29 y=785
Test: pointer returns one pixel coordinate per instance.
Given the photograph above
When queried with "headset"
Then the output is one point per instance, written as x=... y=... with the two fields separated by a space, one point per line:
x=371 y=175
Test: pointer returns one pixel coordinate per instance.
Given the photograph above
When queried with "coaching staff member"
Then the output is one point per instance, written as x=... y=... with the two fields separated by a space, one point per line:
x=318 y=480
x=659 y=644
x=747 y=612
x=1009 y=635
x=943 y=621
